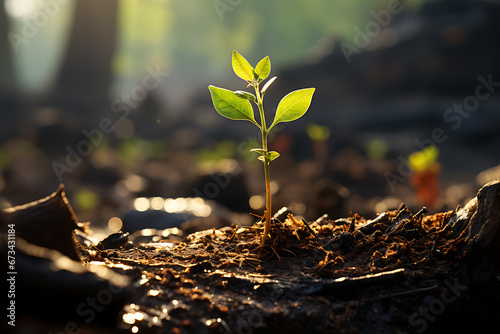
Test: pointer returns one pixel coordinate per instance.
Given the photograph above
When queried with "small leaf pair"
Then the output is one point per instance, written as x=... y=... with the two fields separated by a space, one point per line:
x=265 y=155
x=244 y=70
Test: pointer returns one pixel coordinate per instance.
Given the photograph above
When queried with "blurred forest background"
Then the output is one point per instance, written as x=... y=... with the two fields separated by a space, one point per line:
x=111 y=97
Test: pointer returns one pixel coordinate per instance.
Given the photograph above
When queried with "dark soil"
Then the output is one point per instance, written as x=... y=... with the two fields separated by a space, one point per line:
x=400 y=272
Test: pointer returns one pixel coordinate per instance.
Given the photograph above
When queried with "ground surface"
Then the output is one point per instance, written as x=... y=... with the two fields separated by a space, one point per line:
x=401 y=272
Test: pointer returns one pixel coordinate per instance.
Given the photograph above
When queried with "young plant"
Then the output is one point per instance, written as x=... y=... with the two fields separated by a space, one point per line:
x=236 y=106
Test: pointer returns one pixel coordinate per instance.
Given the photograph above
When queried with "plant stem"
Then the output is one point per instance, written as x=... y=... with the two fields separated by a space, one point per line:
x=267 y=227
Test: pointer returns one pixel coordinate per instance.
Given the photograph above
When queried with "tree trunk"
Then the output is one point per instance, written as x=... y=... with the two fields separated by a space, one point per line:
x=9 y=95
x=86 y=72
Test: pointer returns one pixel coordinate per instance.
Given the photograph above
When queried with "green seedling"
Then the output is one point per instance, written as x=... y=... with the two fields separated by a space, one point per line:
x=236 y=105
x=424 y=160
x=319 y=134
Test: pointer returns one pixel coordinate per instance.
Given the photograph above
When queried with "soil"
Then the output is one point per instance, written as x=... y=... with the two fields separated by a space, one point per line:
x=400 y=272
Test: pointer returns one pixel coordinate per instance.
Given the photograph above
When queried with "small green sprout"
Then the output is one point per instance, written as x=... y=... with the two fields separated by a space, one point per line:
x=317 y=132
x=424 y=160
x=236 y=106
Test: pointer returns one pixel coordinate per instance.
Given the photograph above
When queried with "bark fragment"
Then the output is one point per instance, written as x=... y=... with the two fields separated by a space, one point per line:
x=483 y=229
x=48 y=222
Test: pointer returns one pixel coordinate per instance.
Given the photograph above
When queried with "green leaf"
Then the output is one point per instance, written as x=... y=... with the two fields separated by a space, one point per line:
x=263 y=68
x=271 y=155
x=242 y=67
x=293 y=106
x=268 y=83
x=258 y=150
x=231 y=106
x=245 y=95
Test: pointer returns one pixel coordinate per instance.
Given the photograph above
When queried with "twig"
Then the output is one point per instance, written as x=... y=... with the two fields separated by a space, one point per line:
x=403 y=293
x=309 y=227
x=354 y=283
x=402 y=208
x=420 y=213
x=352 y=225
